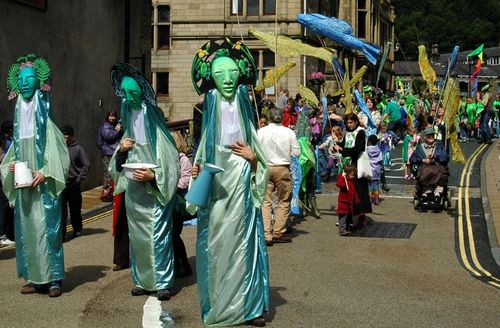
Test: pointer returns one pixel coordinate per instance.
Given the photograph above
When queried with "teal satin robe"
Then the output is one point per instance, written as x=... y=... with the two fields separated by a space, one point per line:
x=149 y=206
x=37 y=212
x=231 y=254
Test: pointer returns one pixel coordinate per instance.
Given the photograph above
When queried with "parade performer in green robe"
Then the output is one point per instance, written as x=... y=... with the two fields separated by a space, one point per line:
x=148 y=196
x=231 y=253
x=37 y=212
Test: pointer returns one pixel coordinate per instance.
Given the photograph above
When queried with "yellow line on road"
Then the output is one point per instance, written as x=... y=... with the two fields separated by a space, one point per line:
x=465 y=177
x=92 y=219
x=472 y=244
x=461 y=242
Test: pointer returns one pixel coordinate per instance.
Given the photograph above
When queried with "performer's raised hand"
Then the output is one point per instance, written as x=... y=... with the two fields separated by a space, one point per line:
x=143 y=174
x=126 y=144
x=38 y=179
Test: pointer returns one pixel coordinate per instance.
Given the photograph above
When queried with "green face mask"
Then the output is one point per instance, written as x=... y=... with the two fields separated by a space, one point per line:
x=225 y=73
x=133 y=92
x=27 y=83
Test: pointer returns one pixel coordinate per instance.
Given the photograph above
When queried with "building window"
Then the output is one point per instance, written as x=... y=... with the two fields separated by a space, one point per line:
x=253 y=7
x=264 y=60
x=161 y=28
x=362 y=18
x=162 y=80
x=269 y=7
x=237 y=7
x=328 y=8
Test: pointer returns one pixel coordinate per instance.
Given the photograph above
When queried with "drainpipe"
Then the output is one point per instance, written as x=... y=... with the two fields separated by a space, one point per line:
x=126 y=36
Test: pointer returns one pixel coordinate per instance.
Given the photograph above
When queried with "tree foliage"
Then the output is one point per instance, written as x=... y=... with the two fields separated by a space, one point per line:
x=467 y=23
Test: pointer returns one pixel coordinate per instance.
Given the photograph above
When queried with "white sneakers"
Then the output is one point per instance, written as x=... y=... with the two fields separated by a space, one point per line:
x=4 y=241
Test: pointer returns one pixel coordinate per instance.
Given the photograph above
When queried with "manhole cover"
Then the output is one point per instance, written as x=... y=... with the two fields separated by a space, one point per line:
x=390 y=230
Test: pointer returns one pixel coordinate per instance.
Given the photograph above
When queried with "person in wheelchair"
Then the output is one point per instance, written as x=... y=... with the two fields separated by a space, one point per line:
x=431 y=160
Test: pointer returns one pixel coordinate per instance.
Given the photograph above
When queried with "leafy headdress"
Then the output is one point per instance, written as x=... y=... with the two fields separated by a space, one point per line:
x=225 y=47
x=31 y=60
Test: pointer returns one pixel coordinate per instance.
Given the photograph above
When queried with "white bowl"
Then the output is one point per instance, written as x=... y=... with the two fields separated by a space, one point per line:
x=128 y=168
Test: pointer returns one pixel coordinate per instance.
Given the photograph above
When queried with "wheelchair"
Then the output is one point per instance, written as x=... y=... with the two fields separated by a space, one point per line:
x=424 y=198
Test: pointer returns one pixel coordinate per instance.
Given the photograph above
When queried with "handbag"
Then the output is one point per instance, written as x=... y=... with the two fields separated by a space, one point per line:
x=364 y=166
x=107 y=194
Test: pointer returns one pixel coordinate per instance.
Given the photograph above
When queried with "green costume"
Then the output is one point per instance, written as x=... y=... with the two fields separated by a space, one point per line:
x=148 y=204
x=231 y=254
x=37 y=140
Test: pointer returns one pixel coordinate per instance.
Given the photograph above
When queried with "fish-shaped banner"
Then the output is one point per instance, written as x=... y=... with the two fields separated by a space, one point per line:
x=426 y=69
x=309 y=96
x=339 y=31
x=289 y=47
x=355 y=79
x=274 y=75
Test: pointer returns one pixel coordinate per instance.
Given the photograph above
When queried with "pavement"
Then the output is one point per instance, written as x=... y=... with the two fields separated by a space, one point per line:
x=318 y=280
x=490 y=193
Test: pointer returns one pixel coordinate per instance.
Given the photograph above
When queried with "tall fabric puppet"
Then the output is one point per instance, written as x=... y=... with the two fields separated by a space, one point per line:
x=148 y=197
x=37 y=213
x=231 y=254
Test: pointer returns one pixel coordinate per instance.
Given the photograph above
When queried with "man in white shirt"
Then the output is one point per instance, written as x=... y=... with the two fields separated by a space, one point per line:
x=279 y=144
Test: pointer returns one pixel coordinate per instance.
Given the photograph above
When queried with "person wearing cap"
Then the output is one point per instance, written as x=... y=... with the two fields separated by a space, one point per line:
x=431 y=159
x=72 y=195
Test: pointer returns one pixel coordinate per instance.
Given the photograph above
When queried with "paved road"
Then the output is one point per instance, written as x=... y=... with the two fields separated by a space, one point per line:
x=319 y=280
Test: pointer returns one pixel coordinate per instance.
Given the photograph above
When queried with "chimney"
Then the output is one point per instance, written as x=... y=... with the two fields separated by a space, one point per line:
x=435 y=53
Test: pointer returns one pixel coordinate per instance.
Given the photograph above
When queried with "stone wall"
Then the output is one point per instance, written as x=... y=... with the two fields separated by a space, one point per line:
x=81 y=40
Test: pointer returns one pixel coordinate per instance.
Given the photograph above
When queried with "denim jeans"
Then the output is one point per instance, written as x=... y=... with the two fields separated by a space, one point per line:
x=484 y=127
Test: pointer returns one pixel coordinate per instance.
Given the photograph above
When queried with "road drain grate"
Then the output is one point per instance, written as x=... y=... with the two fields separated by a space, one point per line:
x=391 y=230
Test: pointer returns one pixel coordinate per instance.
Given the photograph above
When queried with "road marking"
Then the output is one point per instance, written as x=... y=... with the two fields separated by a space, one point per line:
x=152 y=313
x=472 y=245
x=466 y=174
x=91 y=219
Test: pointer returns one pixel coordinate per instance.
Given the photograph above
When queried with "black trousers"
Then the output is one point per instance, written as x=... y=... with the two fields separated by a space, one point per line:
x=72 y=198
x=121 y=254
x=180 y=254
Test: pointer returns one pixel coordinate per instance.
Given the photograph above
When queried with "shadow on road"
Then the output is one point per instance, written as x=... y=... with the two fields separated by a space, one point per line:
x=7 y=254
x=276 y=301
x=181 y=283
x=93 y=231
x=82 y=274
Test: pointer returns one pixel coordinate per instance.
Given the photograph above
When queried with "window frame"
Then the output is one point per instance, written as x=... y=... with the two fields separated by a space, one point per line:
x=155 y=26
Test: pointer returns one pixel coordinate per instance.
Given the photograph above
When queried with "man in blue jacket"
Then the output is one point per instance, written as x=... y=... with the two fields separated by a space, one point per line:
x=432 y=160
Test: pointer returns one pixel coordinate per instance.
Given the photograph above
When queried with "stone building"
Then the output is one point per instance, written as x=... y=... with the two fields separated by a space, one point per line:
x=180 y=27
x=409 y=71
x=81 y=40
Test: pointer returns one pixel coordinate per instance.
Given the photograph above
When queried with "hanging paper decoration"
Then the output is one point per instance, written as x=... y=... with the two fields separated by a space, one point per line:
x=274 y=75
x=426 y=69
x=309 y=96
x=355 y=79
x=451 y=104
x=453 y=58
x=339 y=31
x=289 y=48
x=347 y=89
x=388 y=45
